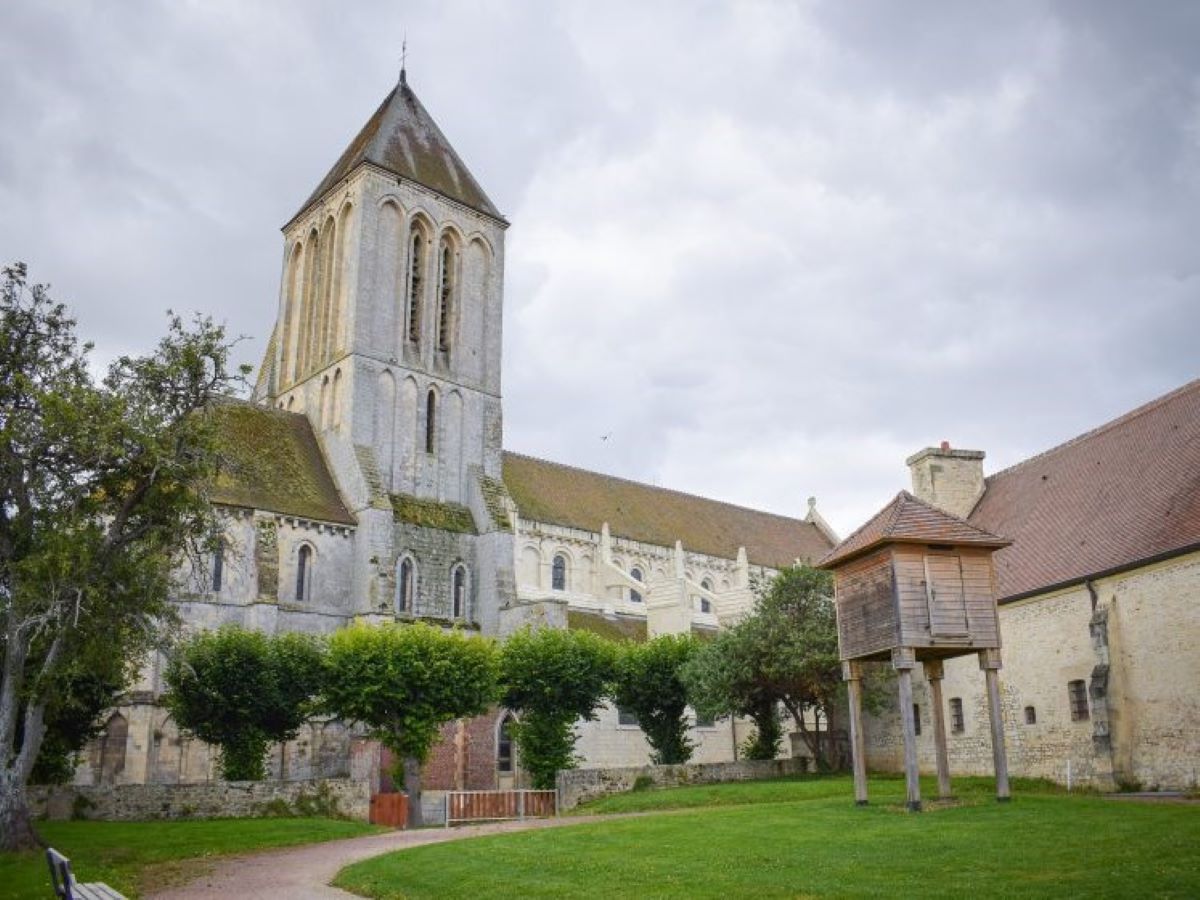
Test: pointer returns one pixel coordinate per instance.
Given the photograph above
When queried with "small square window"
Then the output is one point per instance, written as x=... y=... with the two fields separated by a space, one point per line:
x=1077 y=694
x=957 y=724
x=1030 y=715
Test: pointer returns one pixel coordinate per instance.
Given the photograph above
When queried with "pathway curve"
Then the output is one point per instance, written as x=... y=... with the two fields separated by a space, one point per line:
x=304 y=872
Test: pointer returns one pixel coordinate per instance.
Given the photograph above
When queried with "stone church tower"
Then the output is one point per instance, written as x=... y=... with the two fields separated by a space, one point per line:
x=388 y=339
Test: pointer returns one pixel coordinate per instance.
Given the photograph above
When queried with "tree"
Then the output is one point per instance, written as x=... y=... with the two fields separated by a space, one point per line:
x=723 y=679
x=648 y=683
x=553 y=678
x=102 y=486
x=243 y=690
x=404 y=682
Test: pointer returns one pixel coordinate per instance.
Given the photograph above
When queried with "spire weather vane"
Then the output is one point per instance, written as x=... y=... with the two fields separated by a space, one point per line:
x=403 y=59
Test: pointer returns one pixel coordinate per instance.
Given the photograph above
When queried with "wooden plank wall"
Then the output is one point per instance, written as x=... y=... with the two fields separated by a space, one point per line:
x=865 y=609
x=977 y=597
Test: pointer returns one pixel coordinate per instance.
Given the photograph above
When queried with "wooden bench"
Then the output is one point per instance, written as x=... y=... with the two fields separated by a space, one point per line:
x=67 y=888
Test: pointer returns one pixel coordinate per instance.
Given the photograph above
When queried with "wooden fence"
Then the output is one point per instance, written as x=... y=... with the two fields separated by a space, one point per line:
x=479 y=806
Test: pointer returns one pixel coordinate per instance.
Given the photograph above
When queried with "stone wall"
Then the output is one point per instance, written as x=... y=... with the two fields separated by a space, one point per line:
x=577 y=785
x=341 y=797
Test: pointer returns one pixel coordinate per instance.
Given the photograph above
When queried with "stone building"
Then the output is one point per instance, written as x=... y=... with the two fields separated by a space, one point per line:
x=366 y=479
x=1099 y=606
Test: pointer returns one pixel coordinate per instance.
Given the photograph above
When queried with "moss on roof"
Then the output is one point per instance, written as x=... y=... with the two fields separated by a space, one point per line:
x=562 y=495
x=614 y=628
x=494 y=498
x=432 y=514
x=270 y=460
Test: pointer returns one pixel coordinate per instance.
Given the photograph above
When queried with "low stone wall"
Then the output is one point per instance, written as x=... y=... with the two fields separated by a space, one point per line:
x=577 y=785
x=341 y=797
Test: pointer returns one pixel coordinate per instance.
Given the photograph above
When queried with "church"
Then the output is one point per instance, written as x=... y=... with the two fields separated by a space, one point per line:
x=367 y=479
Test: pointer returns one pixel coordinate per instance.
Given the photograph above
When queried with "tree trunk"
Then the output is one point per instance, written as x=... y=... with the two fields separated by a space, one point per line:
x=412 y=787
x=16 y=827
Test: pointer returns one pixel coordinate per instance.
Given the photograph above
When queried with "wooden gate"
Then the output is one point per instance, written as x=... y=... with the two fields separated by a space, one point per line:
x=480 y=806
x=389 y=809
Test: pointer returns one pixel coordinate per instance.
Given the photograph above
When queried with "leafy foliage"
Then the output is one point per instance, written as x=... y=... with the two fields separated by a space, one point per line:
x=552 y=678
x=101 y=486
x=243 y=690
x=404 y=682
x=648 y=683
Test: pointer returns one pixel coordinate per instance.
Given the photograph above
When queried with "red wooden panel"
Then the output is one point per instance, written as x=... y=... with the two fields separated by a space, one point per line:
x=390 y=810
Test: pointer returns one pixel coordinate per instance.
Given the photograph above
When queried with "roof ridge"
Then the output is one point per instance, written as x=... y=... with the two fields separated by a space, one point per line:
x=655 y=487
x=861 y=528
x=1122 y=419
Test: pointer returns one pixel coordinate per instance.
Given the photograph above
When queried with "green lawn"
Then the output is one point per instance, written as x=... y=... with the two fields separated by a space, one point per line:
x=806 y=838
x=129 y=855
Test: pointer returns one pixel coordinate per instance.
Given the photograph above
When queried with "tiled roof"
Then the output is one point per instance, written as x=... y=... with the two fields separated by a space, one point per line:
x=1126 y=492
x=270 y=460
x=910 y=520
x=563 y=495
x=403 y=138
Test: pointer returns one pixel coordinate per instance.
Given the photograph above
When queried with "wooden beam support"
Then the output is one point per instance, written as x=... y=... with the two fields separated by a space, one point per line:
x=989 y=661
x=852 y=674
x=903 y=661
x=934 y=672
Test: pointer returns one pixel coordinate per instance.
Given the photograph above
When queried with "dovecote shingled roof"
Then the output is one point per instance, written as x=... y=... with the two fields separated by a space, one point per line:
x=908 y=520
x=402 y=138
x=563 y=495
x=1122 y=494
x=270 y=460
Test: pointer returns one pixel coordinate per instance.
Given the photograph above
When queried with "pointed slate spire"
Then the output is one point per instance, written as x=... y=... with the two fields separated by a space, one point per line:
x=402 y=138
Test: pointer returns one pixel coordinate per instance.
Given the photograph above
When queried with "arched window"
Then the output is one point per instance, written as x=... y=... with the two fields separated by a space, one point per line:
x=636 y=574
x=218 y=565
x=458 y=591
x=558 y=573
x=445 y=293
x=505 y=759
x=405 y=582
x=416 y=261
x=430 y=421
x=303 y=572
x=705 y=603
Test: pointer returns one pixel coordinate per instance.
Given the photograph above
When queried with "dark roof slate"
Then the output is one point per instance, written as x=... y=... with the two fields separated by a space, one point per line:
x=563 y=495
x=907 y=519
x=1125 y=492
x=403 y=138
x=270 y=460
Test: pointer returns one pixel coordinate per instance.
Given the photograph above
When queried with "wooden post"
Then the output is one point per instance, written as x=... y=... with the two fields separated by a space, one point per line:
x=852 y=674
x=903 y=660
x=989 y=661
x=934 y=672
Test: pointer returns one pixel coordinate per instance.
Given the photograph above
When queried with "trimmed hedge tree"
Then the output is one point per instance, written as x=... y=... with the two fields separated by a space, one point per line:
x=243 y=691
x=553 y=678
x=404 y=682
x=649 y=684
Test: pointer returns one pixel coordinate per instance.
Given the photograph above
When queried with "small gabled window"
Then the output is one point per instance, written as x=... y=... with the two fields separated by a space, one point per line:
x=218 y=565
x=1077 y=695
x=303 y=573
x=1030 y=715
x=405 y=581
x=957 y=724
x=558 y=573
x=458 y=589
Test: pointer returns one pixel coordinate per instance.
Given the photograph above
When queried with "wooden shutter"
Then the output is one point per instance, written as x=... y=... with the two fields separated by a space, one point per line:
x=944 y=593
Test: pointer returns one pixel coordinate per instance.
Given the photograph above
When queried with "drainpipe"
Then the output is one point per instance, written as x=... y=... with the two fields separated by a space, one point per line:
x=1091 y=589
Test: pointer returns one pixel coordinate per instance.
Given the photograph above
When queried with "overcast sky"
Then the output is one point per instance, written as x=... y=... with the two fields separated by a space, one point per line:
x=771 y=249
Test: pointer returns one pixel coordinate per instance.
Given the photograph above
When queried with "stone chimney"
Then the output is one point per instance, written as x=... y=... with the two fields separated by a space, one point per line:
x=951 y=480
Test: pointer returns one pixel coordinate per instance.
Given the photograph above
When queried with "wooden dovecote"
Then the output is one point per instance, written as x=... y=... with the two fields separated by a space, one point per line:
x=917 y=585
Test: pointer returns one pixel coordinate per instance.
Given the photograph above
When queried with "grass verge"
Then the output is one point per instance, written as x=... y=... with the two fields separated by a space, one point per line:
x=805 y=837
x=133 y=857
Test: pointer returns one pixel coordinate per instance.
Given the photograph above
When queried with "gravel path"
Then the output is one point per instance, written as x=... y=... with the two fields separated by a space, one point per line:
x=305 y=872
